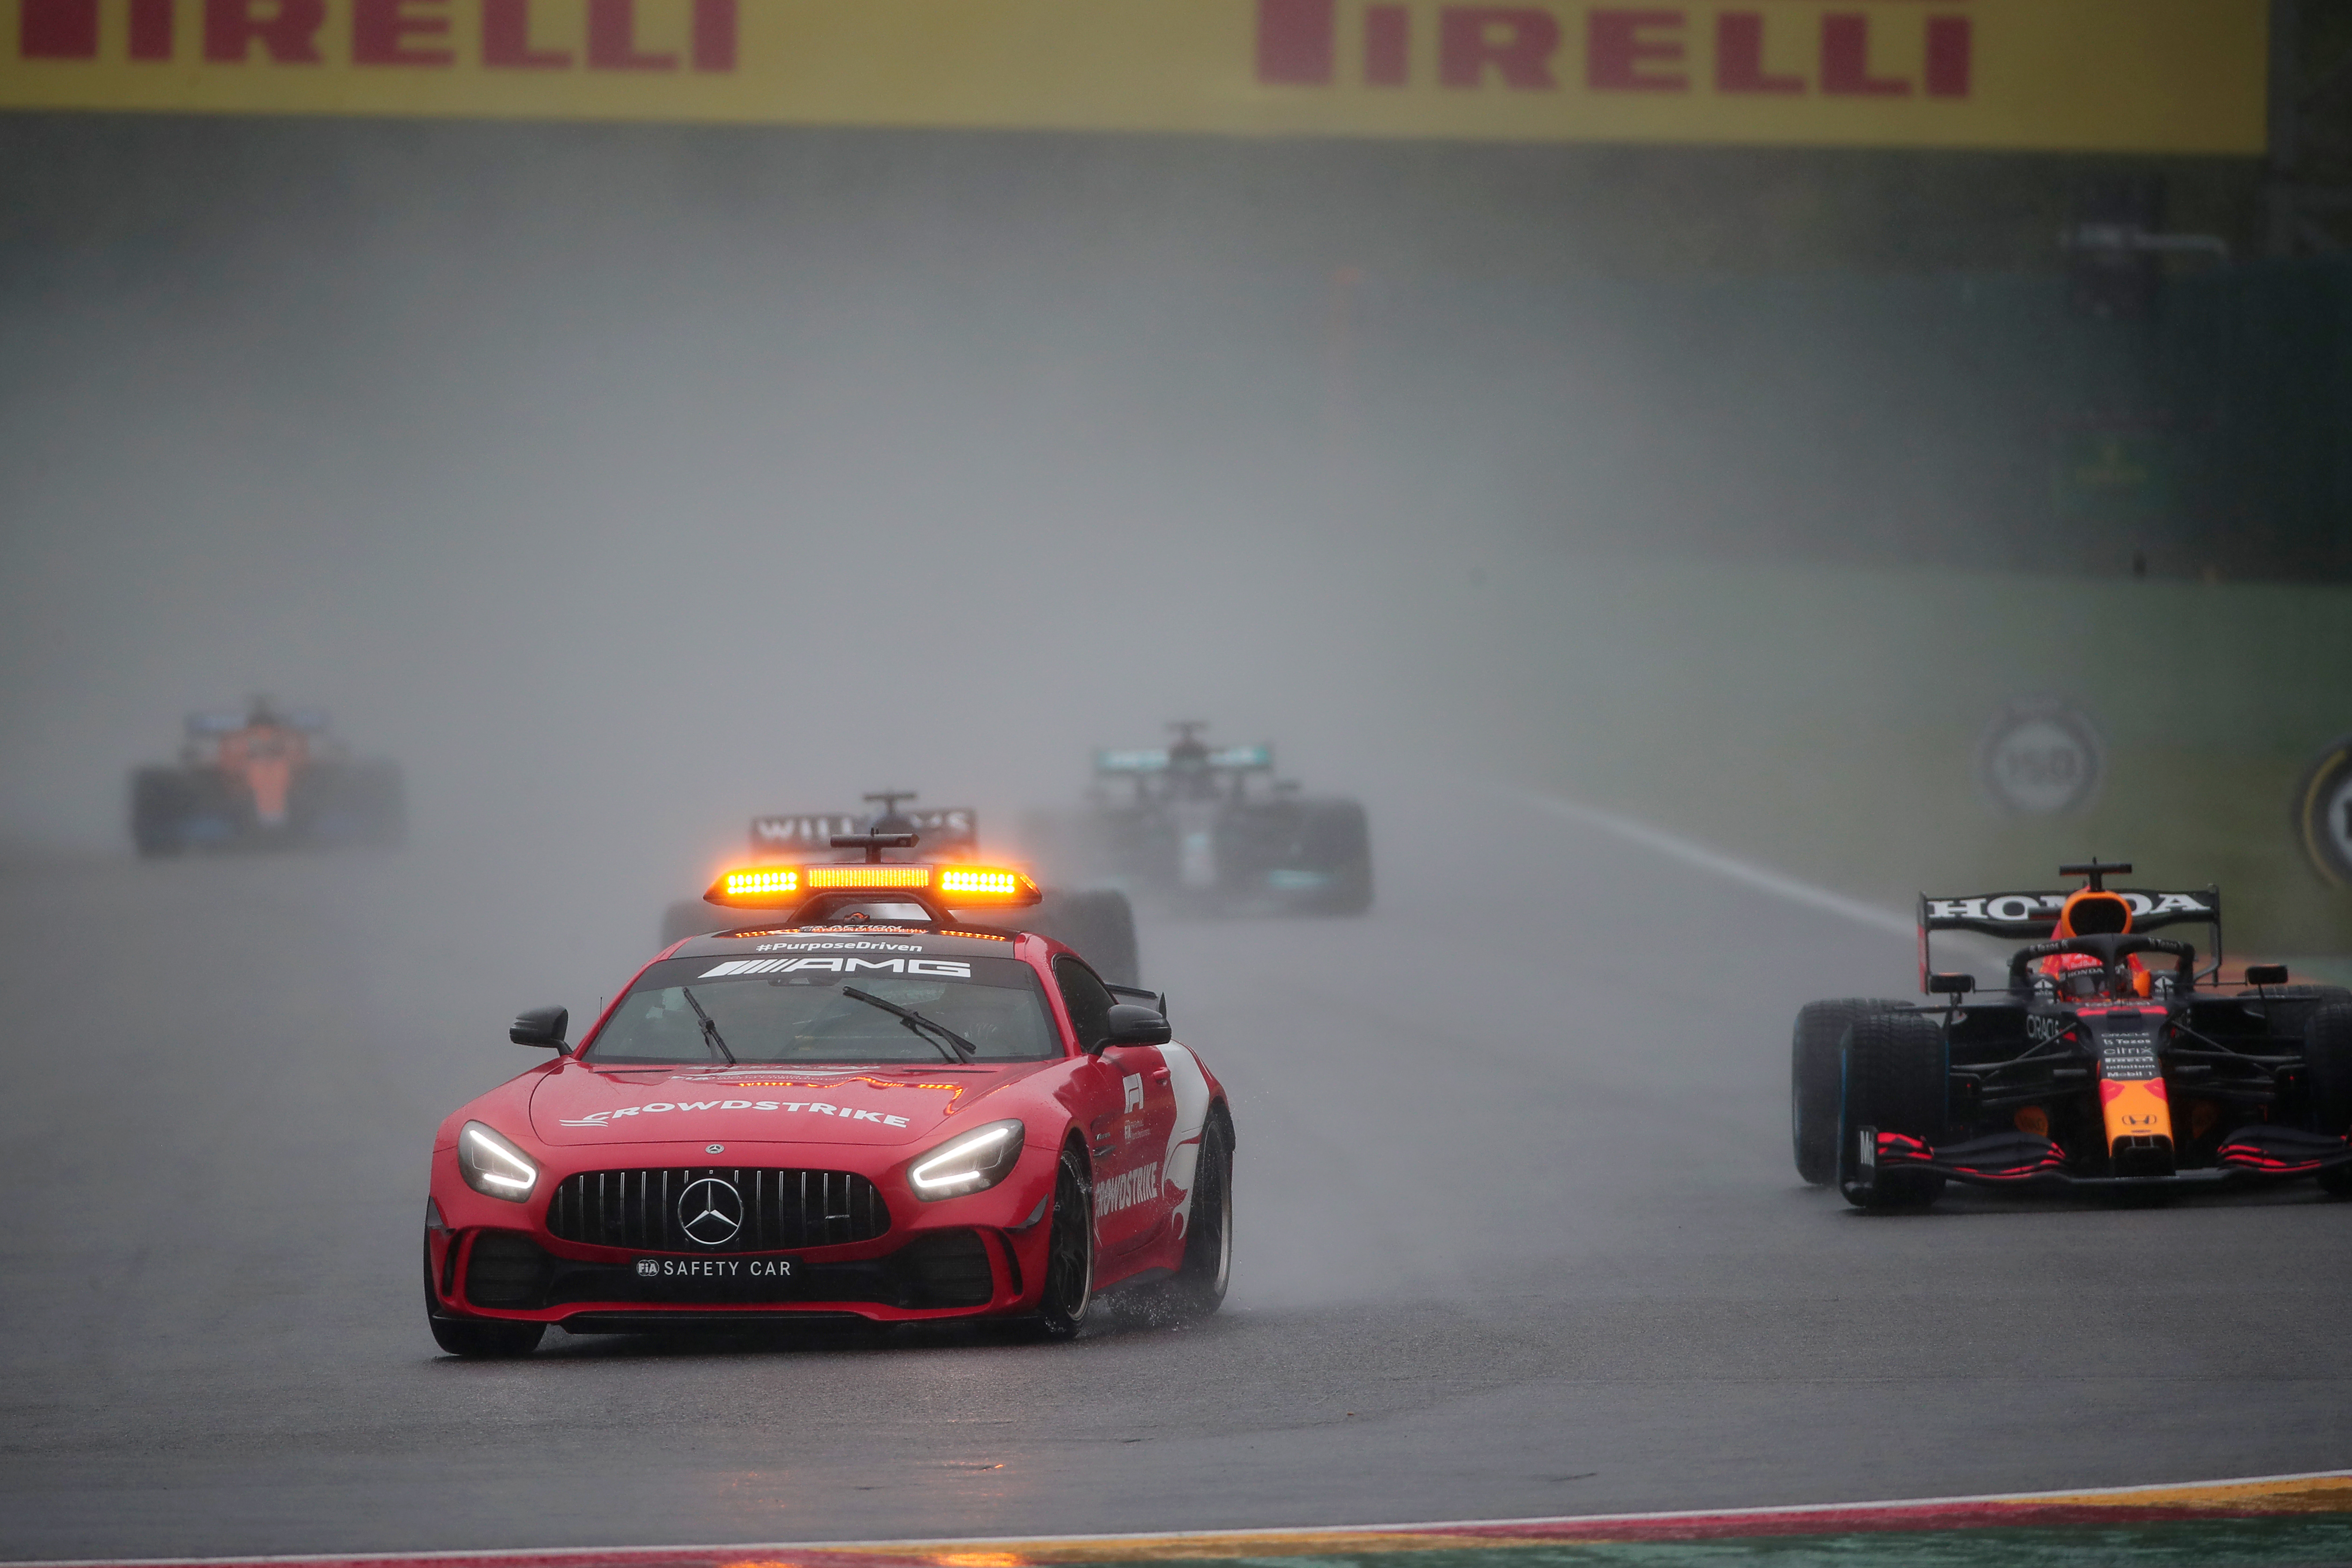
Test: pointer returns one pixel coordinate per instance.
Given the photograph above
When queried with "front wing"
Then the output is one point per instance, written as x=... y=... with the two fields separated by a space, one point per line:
x=2251 y=1155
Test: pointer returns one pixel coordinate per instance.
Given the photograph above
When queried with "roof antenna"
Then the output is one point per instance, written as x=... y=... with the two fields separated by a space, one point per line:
x=2098 y=870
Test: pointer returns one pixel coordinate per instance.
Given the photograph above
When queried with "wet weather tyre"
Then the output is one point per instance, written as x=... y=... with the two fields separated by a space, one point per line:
x=158 y=797
x=2327 y=1071
x=1198 y=1289
x=1338 y=841
x=2289 y=1008
x=1896 y=1080
x=1813 y=1081
x=1069 y=1252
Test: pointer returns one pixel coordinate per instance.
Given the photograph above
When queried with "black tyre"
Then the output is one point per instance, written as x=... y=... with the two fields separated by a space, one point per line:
x=158 y=800
x=1069 y=1251
x=2288 y=1008
x=1813 y=1075
x=477 y=1339
x=1098 y=922
x=2327 y=1076
x=1895 y=1081
x=1336 y=839
x=339 y=803
x=1199 y=1288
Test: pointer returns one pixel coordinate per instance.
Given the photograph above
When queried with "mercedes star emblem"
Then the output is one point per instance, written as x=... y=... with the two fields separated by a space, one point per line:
x=714 y=1148
x=711 y=1211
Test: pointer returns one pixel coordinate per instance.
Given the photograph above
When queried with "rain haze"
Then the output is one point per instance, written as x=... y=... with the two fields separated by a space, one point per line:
x=1654 y=540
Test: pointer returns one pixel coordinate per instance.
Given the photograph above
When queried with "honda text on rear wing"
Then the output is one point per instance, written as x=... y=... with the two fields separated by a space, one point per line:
x=2033 y=917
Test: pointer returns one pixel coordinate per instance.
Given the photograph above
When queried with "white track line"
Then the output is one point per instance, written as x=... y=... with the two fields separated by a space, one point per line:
x=1692 y=853
x=1668 y=1516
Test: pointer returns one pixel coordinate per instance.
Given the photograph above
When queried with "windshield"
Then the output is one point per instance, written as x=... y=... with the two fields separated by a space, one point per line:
x=705 y=1010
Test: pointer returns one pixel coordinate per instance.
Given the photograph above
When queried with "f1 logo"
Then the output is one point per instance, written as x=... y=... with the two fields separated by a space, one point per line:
x=1134 y=1082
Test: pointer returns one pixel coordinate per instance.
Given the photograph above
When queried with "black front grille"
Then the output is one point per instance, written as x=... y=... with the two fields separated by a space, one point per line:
x=781 y=1210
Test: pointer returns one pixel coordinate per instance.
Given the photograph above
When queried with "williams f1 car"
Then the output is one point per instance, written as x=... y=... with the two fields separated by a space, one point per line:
x=2105 y=1058
x=1098 y=922
x=263 y=780
x=861 y=1105
x=1211 y=828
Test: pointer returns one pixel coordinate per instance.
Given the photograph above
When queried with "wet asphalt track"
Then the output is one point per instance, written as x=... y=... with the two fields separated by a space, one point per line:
x=1518 y=1235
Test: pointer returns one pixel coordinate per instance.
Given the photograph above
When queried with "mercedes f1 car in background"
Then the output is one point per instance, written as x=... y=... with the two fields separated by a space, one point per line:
x=1211 y=828
x=265 y=779
x=861 y=1104
x=1097 y=923
x=2105 y=1058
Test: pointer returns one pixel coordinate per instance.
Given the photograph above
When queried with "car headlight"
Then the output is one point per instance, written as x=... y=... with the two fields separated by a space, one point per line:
x=971 y=1163
x=494 y=1167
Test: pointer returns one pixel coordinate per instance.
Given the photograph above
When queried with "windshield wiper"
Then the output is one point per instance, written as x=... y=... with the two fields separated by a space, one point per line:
x=709 y=1030
x=915 y=1023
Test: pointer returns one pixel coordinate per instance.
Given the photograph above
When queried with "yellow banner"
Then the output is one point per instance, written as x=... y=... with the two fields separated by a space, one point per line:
x=2141 y=76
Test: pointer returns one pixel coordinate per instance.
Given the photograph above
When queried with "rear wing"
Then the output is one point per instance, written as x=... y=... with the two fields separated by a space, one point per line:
x=1154 y=759
x=941 y=830
x=2033 y=917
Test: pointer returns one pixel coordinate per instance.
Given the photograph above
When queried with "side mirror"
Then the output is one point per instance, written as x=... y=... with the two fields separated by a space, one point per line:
x=1950 y=984
x=2266 y=975
x=1132 y=1025
x=540 y=1026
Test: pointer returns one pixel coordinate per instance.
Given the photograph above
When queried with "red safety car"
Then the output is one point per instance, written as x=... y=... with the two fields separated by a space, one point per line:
x=864 y=1105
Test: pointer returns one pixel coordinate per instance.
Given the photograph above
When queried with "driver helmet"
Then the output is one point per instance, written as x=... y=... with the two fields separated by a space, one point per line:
x=2089 y=913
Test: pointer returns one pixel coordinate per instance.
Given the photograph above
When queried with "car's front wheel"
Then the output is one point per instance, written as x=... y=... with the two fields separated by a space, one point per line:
x=2328 y=1070
x=477 y=1339
x=1895 y=1081
x=1069 y=1251
x=1814 y=1079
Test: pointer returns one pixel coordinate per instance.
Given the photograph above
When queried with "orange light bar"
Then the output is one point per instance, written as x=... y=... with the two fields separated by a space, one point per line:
x=869 y=876
x=962 y=884
x=757 y=887
x=772 y=886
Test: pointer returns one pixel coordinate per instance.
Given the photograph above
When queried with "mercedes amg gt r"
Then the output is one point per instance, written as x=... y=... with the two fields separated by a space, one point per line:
x=864 y=1105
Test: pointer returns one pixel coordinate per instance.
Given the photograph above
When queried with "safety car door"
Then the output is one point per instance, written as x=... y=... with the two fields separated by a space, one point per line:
x=1131 y=1111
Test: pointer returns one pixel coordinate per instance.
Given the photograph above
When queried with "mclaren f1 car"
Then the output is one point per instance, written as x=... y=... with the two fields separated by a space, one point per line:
x=265 y=779
x=1097 y=921
x=2106 y=1058
x=859 y=1101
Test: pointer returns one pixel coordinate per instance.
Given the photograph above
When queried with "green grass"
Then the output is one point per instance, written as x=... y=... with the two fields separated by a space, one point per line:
x=1826 y=722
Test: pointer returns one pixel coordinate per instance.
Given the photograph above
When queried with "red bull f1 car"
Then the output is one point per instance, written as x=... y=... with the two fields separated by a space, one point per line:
x=863 y=1103
x=2105 y=1058
x=264 y=779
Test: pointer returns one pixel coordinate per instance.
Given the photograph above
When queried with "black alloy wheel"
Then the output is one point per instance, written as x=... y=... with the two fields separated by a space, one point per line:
x=1198 y=1287
x=1069 y=1251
